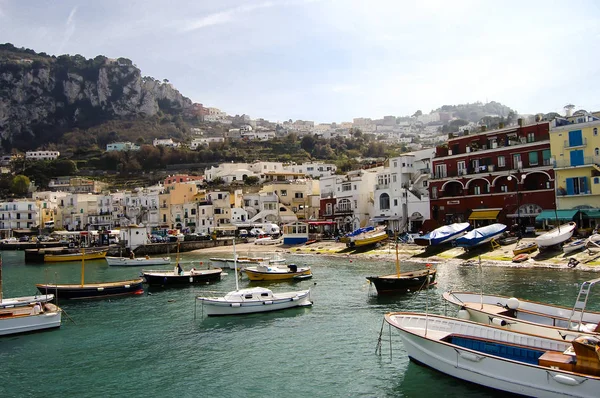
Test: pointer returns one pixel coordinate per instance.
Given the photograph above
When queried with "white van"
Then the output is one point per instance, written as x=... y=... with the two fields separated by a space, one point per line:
x=271 y=229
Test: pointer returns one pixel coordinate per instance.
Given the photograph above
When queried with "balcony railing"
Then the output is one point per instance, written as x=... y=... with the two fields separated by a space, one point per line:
x=587 y=161
x=583 y=144
x=382 y=186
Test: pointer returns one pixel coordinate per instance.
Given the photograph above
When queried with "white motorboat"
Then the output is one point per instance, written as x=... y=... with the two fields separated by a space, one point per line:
x=531 y=317
x=501 y=359
x=242 y=262
x=573 y=246
x=252 y=300
x=556 y=236
x=27 y=314
x=138 y=261
x=593 y=242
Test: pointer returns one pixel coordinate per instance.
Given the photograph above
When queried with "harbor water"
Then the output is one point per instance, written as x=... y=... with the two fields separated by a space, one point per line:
x=159 y=344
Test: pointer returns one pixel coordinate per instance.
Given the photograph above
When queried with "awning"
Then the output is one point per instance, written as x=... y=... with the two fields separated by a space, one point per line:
x=386 y=218
x=591 y=213
x=484 y=214
x=561 y=215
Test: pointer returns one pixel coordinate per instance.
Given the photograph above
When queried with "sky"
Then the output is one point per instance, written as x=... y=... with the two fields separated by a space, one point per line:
x=334 y=60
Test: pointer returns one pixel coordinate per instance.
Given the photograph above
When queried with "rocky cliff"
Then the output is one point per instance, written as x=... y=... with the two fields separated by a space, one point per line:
x=42 y=95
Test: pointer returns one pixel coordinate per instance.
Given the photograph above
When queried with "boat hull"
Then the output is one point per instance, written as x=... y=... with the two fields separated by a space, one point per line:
x=142 y=261
x=556 y=236
x=479 y=236
x=169 y=278
x=530 y=317
x=93 y=290
x=485 y=368
x=574 y=246
x=254 y=274
x=369 y=238
x=20 y=320
x=525 y=248
x=408 y=281
x=218 y=307
x=56 y=258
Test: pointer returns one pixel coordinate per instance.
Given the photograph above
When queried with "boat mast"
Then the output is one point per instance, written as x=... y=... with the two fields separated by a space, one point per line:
x=237 y=286
x=82 y=265
x=397 y=261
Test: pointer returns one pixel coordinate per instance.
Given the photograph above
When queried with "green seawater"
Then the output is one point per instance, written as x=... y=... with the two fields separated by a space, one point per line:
x=159 y=345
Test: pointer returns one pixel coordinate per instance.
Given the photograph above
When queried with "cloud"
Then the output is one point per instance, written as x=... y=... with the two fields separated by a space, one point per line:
x=69 y=29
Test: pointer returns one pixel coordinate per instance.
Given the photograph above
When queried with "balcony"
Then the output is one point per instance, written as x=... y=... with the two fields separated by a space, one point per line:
x=587 y=161
x=343 y=210
x=382 y=186
x=583 y=144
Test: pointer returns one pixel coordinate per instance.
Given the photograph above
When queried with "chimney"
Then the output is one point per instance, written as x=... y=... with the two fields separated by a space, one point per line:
x=520 y=122
x=483 y=128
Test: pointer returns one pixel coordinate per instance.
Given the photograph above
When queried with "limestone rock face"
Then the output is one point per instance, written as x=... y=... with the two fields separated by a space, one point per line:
x=63 y=92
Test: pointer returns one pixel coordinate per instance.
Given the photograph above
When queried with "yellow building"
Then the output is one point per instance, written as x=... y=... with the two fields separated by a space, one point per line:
x=296 y=195
x=576 y=152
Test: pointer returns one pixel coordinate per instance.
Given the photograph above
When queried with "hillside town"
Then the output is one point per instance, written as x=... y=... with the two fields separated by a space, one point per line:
x=527 y=175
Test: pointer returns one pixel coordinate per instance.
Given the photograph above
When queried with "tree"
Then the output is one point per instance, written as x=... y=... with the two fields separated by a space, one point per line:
x=20 y=185
x=251 y=180
x=418 y=113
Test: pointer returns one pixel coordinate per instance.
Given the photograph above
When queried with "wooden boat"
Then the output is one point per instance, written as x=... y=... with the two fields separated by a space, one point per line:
x=139 y=261
x=93 y=290
x=252 y=300
x=171 y=278
x=525 y=247
x=501 y=359
x=531 y=317
x=519 y=258
x=368 y=238
x=27 y=314
x=91 y=255
x=347 y=238
x=264 y=272
x=573 y=246
x=442 y=235
x=481 y=235
x=556 y=236
x=402 y=282
x=593 y=242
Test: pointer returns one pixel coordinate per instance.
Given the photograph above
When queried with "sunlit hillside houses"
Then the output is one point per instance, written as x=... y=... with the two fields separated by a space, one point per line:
x=42 y=155
x=19 y=215
x=122 y=146
x=167 y=142
x=204 y=142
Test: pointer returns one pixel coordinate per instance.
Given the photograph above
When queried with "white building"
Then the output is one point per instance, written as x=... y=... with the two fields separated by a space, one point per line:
x=19 y=214
x=42 y=155
x=312 y=169
x=202 y=142
x=168 y=142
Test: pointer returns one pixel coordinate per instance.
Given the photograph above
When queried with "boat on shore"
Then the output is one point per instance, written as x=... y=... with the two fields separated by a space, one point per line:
x=525 y=247
x=78 y=256
x=242 y=262
x=138 y=261
x=556 y=236
x=481 y=235
x=501 y=359
x=573 y=246
x=368 y=238
x=531 y=317
x=442 y=235
x=266 y=272
x=94 y=290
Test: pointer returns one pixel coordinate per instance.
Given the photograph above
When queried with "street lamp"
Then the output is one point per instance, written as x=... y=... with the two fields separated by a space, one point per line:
x=510 y=178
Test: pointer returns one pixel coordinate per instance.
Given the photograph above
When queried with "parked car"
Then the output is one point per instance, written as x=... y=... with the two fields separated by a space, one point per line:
x=255 y=232
x=243 y=233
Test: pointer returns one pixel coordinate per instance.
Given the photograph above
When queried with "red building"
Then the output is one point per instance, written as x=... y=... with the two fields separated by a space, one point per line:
x=501 y=176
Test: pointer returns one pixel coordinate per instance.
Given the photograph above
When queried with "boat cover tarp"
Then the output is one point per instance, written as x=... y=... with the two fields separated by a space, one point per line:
x=479 y=234
x=448 y=230
x=484 y=214
x=562 y=215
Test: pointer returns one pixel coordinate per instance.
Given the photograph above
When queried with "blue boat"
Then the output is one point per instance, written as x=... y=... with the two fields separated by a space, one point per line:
x=444 y=234
x=479 y=236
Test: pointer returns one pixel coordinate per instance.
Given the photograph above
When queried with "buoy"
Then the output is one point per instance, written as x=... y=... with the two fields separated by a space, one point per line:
x=512 y=303
x=464 y=314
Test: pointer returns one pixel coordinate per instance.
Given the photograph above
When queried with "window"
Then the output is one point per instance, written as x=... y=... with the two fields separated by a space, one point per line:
x=477 y=190
x=440 y=171
x=517 y=161
x=298 y=195
x=434 y=192
x=596 y=151
x=395 y=202
x=530 y=137
x=346 y=187
x=328 y=208
x=384 y=201
x=595 y=131
x=576 y=185
x=533 y=158
x=503 y=188
x=461 y=167
x=501 y=161
x=596 y=180
x=284 y=192
x=425 y=183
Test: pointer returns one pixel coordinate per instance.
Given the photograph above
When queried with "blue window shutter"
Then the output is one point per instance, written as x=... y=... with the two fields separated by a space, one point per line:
x=570 y=189
x=584 y=187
